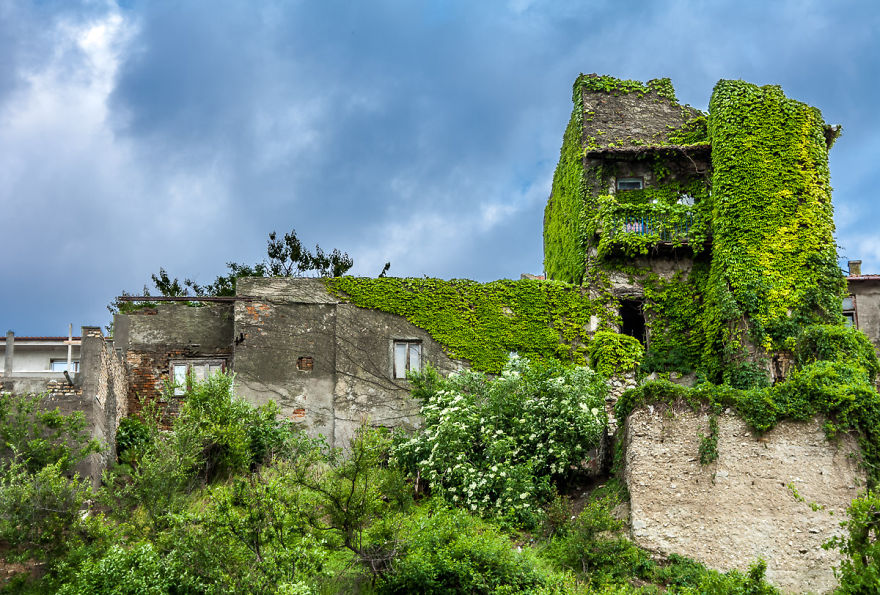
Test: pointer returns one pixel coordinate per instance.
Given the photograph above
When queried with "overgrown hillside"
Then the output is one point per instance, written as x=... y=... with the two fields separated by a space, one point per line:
x=483 y=499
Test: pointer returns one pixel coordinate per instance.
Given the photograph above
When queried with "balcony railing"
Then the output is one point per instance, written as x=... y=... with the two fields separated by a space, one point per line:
x=673 y=228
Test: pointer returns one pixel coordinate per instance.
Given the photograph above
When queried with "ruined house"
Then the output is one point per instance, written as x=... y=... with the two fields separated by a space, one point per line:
x=706 y=236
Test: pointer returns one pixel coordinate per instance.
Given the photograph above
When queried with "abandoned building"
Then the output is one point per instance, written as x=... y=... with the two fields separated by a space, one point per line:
x=706 y=236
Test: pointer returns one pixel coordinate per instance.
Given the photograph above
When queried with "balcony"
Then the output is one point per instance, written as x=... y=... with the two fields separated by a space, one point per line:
x=638 y=229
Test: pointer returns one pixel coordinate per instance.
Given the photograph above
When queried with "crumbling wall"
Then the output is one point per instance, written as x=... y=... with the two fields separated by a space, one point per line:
x=867 y=300
x=366 y=389
x=778 y=497
x=152 y=338
x=285 y=350
x=327 y=364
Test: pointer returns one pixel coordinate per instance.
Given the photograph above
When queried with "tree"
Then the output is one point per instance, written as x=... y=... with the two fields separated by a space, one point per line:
x=286 y=257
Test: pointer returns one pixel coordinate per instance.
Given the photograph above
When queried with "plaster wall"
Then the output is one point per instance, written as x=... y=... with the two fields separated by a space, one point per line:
x=32 y=358
x=867 y=294
x=350 y=380
x=744 y=505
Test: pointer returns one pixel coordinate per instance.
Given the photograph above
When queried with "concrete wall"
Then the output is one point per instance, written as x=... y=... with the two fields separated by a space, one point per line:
x=30 y=357
x=350 y=381
x=742 y=506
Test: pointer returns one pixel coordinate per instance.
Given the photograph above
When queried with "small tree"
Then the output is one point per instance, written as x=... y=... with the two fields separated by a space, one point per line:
x=859 y=571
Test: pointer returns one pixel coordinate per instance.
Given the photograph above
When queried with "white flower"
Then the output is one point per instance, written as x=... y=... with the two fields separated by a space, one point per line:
x=523 y=496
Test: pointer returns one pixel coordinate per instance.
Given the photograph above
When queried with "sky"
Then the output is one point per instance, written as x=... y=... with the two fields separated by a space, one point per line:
x=144 y=134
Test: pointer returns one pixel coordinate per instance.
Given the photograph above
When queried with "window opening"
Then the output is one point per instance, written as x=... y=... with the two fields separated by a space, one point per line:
x=849 y=311
x=407 y=357
x=630 y=183
x=60 y=365
x=305 y=364
x=184 y=373
x=632 y=320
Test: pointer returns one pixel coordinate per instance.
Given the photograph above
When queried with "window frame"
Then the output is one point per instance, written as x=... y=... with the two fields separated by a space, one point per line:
x=63 y=361
x=852 y=314
x=629 y=179
x=408 y=366
x=178 y=389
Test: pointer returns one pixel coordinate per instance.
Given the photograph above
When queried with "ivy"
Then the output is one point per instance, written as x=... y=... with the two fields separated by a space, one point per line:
x=564 y=251
x=615 y=86
x=484 y=322
x=613 y=353
x=773 y=249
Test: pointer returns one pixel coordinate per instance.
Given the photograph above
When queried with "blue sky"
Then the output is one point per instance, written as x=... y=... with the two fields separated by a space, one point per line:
x=141 y=134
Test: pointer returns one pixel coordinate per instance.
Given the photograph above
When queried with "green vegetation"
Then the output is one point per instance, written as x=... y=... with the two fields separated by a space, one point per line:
x=484 y=322
x=496 y=446
x=232 y=500
x=860 y=570
x=774 y=262
x=614 y=354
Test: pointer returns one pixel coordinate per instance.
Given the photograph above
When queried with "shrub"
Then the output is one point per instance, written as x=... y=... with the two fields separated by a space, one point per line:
x=137 y=570
x=38 y=437
x=613 y=353
x=40 y=509
x=494 y=446
x=231 y=434
x=133 y=438
x=859 y=572
x=836 y=343
x=449 y=551
x=593 y=544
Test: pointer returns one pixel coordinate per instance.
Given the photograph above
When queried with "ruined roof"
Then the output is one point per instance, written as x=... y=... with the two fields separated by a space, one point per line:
x=638 y=150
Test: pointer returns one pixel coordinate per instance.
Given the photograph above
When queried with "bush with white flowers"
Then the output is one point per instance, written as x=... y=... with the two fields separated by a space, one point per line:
x=496 y=445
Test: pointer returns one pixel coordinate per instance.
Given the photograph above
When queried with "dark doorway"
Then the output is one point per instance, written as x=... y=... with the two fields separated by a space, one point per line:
x=632 y=320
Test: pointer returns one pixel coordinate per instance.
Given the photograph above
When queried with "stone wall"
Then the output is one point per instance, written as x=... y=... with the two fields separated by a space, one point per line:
x=777 y=497
x=620 y=118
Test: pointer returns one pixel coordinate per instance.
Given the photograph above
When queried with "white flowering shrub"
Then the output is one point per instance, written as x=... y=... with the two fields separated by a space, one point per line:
x=495 y=446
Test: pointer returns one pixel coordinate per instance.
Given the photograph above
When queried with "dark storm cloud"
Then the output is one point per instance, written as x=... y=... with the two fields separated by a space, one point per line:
x=177 y=135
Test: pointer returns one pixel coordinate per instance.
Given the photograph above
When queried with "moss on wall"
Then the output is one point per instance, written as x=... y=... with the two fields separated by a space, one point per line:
x=484 y=322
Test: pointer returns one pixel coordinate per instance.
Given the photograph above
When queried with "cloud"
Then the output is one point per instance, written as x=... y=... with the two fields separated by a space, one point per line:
x=154 y=134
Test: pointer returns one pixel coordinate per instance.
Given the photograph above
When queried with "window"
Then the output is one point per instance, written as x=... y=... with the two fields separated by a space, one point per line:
x=629 y=183
x=849 y=311
x=632 y=320
x=185 y=372
x=407 y=357
x=305 y=364
x=60 y=365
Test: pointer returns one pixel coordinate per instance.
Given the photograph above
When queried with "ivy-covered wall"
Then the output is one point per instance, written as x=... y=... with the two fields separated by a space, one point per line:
x=750 y=223
x=774 y=261
x=484 y=322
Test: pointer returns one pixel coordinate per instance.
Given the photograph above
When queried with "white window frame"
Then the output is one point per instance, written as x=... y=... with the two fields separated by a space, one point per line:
x=62 y=364
x=182 y=383
x=410 y=348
